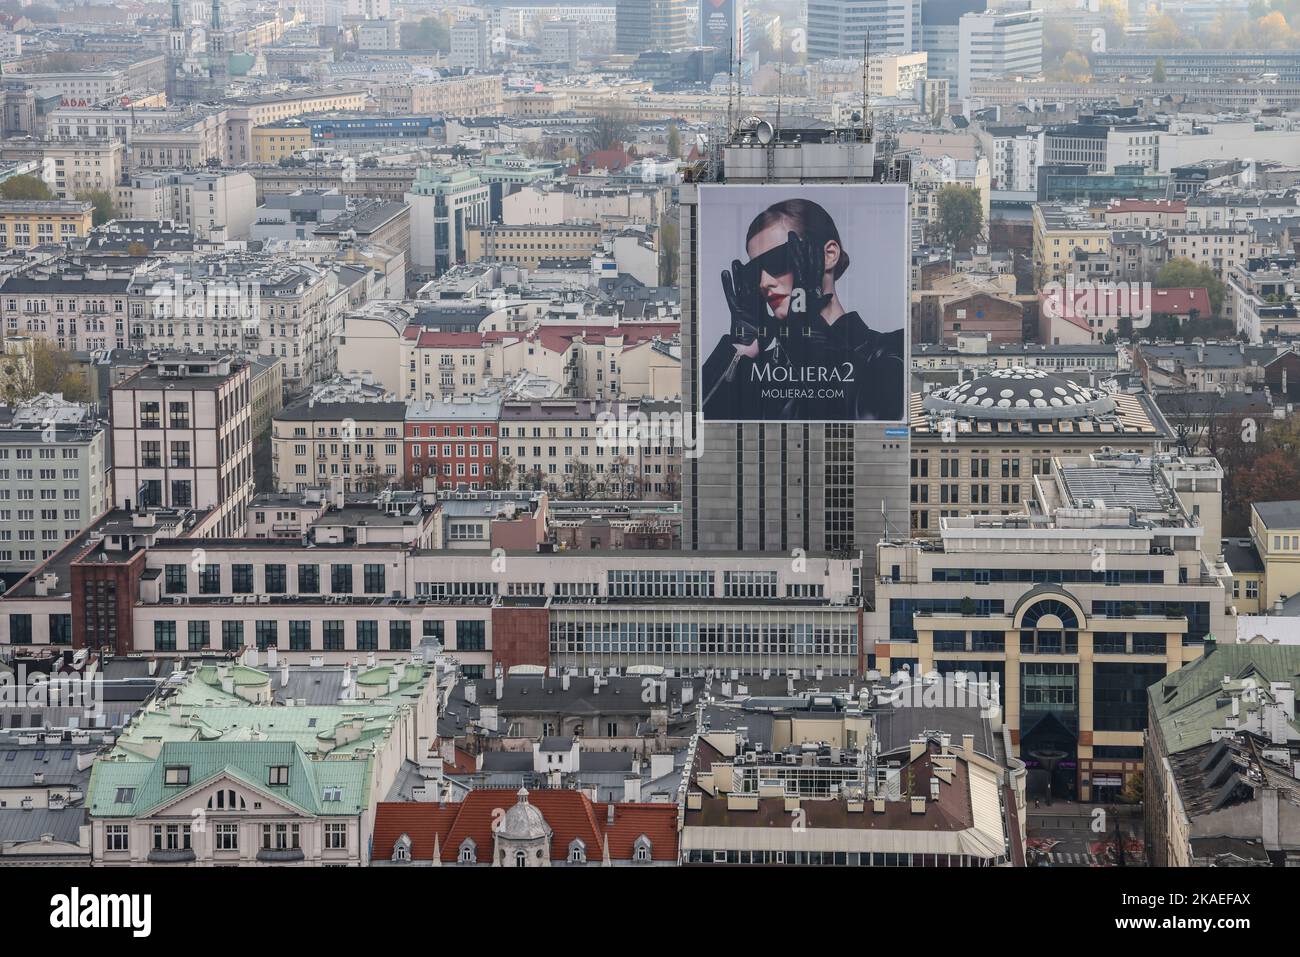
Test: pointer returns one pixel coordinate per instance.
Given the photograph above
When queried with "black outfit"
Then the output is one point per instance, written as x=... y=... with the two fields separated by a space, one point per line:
x=733 y=385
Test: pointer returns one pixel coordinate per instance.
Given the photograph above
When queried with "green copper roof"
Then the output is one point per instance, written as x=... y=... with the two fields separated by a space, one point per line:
x=244 y=762
x=1186 y=703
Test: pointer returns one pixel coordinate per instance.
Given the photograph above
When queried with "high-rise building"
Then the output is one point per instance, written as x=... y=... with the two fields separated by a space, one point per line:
x=844 y=29
x=722 y=26
x=940 y=34
x=776 y=486
x=471 y=47
x=996 y=43
x=560 y=42
x=642 y=25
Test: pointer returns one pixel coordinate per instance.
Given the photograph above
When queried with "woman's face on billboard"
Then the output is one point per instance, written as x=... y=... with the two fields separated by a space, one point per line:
x=776 y=276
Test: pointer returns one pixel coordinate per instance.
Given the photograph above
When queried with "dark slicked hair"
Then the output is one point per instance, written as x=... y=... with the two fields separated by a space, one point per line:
x=808 y=220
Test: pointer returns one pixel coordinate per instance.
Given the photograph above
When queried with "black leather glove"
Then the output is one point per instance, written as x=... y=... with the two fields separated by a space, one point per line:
x=809 y=340
x=749 y=319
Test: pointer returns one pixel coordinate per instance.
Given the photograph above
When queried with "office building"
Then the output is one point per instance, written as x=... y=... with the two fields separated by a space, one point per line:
x=842 y=29
x=183 y=438
x=1006 y=42
x=642 y=25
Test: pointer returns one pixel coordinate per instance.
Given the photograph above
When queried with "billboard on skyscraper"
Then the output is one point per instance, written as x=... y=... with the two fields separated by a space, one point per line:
x=803 y=303
x=718 y=27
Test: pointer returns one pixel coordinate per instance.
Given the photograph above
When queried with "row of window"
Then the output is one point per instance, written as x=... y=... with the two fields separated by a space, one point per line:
x=274 y=579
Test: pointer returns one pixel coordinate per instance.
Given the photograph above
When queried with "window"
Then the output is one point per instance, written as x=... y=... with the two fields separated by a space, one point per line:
x=275 y=579
x=176 y=775
x=577 y=852
x=471 y=636
x=164 y=635
x=116 y=837
x=374 y=579
x=278 y=774
x=227 y=837
x=171 y=837
x=367 y=636
x=241 y=579
x=300 y=636
x=468 y=853
x=281 y=837
x=641 y=850
x=332 y=635
x=399 y=636
x=210 y=580
x=232 y=635
x=341 y=579
x=175 y=578
x=20 y=629
x=268 y=634
x=199 y=635
x=336 y=837
x=308 y=579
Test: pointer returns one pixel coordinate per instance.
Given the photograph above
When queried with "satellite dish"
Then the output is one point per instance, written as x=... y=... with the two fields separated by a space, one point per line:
x=764 y=132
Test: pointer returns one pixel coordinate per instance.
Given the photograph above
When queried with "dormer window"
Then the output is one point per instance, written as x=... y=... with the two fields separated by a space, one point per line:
x=176 y=775
x=641 y=850
x=278 y=774
x=402 y=850
x=468 y=853
x=577 y=852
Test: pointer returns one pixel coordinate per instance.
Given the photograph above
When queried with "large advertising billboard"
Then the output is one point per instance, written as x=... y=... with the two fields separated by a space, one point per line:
x=804 y=303
x=718 y=27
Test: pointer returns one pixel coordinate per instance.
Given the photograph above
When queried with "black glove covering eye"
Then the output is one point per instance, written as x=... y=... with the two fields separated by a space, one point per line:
x=745 y=301
x=809 y=342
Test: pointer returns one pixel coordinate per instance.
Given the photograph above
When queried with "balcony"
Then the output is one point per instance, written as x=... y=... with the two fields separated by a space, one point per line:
x=157 y=856
x=280 y=856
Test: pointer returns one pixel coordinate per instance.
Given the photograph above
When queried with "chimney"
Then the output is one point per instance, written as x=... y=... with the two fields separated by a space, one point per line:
x=471 y=692
x=564 y=681
x=272 y=657
x=632 y=789
x=968 y=744
x=501 y=687
x=609 y=814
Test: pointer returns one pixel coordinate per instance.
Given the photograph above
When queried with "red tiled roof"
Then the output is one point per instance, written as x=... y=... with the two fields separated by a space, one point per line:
x=1116 y=301
x=1147 y=206
x=570 y=814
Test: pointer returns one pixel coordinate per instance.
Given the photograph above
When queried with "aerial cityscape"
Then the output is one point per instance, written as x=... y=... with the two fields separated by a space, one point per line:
x=650 y=434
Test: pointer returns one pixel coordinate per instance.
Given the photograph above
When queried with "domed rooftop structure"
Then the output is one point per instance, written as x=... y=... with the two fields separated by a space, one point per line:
x=1019 y=393
x=523 y=822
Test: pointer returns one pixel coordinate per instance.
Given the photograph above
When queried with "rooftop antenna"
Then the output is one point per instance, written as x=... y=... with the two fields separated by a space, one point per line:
x=780 y=70
x=866 y=99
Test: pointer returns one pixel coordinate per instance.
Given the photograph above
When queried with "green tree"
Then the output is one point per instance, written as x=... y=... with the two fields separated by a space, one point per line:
x=674 y=142
x=960 y=218
x=1158 y=74
x=102 y=200
x=24 y=187
x=668 y=252
x=1185 y=274
x=45 y=368
x=429 y=34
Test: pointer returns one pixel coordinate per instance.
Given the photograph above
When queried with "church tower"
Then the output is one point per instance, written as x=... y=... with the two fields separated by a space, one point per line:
x=218 y=53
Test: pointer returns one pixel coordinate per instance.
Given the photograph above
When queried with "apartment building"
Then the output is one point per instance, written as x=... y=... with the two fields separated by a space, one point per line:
x=870 y=787
x=277 y=141
x=78 y=305
x=584 y=448
x=38 y=222
x=183 y=438
x=1221 y=760
x=471 y=47
x=453 y=440
x=978 y=447
x=54 y=479
x=74 y=166
x=1223 y=249
x=215 y=204
x=249 y=302
x=1073 y=608
x=1262 y=297
x=473 y=95
x=1060 y=232
x=529 y=246
x=272 y=786
x=361 y=442
x=1143 y=214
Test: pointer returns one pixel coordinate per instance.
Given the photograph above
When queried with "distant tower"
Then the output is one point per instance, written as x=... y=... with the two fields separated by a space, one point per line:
x=218 y=54
x=176 y=50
